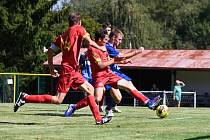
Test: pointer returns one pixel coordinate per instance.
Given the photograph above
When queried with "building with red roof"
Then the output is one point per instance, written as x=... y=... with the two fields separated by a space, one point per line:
x=163 y=67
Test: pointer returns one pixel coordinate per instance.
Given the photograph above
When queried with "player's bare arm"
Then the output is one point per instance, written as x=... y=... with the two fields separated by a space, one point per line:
x=132 y=53
x=50 y=54
x=103 y=65
x=116 y=60
x=126 y=61
x=182 y=83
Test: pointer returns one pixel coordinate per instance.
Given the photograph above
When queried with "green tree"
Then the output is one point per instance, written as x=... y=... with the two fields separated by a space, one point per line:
x=23 y=24
x=128 y=15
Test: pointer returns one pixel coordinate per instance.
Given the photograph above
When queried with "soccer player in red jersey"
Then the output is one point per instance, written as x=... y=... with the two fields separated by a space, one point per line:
x=69 y=44
x=102 y=74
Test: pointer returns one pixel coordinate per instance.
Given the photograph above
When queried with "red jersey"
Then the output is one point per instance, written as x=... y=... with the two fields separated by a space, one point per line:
x=70 y=43
x=95 y=56
x=101 y=77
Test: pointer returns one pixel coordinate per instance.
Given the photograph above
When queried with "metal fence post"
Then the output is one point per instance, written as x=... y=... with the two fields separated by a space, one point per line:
x=14 y=89
x=194 y=99
x=134 y=102
x=164 y=97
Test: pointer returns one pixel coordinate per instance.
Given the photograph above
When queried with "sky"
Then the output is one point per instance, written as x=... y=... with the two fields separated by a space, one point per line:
x=58 y=6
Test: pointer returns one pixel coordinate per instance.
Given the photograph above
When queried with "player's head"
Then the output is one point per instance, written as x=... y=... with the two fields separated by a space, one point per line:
x=107 y=26
x=117 y=37
x=101 y=37
x=74 y=18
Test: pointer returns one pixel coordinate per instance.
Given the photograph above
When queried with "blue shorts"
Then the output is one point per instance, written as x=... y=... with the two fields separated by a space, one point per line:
x=119 y=73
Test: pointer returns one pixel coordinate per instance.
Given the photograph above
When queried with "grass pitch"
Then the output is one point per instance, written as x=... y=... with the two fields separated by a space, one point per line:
x=44 y=121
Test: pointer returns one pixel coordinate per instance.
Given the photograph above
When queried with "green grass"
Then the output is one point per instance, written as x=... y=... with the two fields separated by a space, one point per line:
x=44 y=121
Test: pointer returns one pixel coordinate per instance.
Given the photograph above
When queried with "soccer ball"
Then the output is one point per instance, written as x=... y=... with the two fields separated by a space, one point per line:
x=162 y=111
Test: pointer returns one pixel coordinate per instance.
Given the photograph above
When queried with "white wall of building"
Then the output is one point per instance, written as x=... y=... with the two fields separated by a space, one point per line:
x=198 y=81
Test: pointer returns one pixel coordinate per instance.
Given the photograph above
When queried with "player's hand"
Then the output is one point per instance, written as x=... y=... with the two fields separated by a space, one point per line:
x=54 y=73
x=141 y=49
x=129 y=61
x=125 y=61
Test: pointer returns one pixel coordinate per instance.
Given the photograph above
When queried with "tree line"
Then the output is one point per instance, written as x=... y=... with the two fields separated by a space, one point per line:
x=27 y=26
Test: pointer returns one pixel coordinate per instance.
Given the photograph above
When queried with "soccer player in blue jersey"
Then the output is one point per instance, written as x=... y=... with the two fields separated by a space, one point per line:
x=115 y=93
x=116 y=37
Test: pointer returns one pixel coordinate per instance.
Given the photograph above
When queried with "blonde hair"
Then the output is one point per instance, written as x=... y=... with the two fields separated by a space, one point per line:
x=116 y=32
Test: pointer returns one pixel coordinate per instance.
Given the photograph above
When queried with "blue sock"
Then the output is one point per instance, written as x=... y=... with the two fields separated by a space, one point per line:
x=110 y=104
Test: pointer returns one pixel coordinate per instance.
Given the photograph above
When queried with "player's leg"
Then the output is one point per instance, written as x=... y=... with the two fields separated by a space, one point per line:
x=87 y=87
x=116 y=95
x=178 y=98
x=130 y=88
x=101 y=103
x=99 y=91
x=45 y=98
x=107 y=88
x=122 y=75
x=116 y=98
x=89 y=100
x=63 y=86
x=178 y=104
x=92 y=103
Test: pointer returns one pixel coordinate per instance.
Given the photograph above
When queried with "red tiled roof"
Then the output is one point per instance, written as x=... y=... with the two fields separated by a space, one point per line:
x=165 y=59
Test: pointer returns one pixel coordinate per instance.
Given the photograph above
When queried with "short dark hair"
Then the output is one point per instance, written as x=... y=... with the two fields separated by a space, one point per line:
x=74 y=18
x=106 y=24
x=100 y=34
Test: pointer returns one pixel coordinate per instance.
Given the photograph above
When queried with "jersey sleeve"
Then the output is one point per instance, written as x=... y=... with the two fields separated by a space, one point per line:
x=112 y=51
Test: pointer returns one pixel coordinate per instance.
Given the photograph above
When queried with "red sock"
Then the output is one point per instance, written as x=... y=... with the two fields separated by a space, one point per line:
x=94 y=108
x=38 y=98
x=101 y=103
x=82 y=103
x=139 y=96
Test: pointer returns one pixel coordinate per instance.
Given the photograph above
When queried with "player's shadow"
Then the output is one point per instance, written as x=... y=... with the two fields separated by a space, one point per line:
x=45 y=110
x=58 y=114
x=155 y=118
x=45 y=114
x=15 y=123
x=199 y=138
x=81 y=115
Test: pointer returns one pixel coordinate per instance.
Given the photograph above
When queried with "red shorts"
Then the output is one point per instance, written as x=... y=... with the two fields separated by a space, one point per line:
x=108 y=78
x=69 y=78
